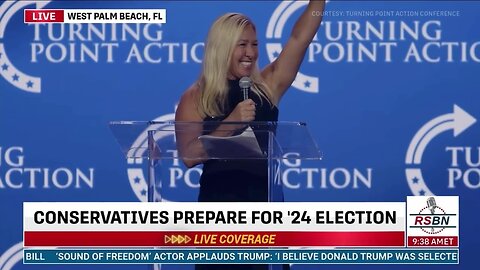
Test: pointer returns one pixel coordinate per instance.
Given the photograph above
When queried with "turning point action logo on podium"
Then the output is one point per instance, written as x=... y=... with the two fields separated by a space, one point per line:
x=176 y=172
x=176 y=176
x=458 y=121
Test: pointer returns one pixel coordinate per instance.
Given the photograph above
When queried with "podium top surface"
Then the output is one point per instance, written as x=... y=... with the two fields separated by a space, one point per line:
x=219 y=139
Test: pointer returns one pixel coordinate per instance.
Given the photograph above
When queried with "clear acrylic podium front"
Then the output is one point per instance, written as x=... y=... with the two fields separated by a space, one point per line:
x=196 y=142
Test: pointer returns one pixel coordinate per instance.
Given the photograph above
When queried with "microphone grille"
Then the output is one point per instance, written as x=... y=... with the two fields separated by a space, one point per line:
x=431 y=202
x=245 y=82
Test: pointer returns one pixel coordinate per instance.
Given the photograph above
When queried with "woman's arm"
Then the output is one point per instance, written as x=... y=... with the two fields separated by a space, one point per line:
x=280 y=74
x=188 y=144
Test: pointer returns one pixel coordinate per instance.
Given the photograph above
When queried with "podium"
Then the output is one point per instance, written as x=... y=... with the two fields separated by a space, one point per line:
x=196 y=142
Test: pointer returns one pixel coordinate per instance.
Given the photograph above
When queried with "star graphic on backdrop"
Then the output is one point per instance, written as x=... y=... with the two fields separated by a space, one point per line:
x=29 y=84
x=422 y=192
x=276 y=54
x=415 y=180
x=307 y=84
x=15 y=78
x=4 y=67
x=143 y=192
x=137 y=180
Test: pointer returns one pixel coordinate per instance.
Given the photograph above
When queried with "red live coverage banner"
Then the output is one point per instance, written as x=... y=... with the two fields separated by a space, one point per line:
x=215 y=239
x=43 y=15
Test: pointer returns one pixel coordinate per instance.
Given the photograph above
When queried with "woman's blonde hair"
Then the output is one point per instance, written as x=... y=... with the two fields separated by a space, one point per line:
x=222 y=39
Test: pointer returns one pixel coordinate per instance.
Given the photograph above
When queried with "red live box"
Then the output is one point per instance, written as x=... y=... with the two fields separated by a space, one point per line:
x=43 y=15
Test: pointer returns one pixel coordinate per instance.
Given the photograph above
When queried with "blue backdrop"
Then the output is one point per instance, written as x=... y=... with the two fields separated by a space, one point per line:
x=389 y=90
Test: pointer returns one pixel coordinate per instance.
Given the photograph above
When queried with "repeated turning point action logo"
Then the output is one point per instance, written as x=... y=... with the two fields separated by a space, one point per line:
x=11 y=256
x=458 y=121
x=275 y=29
x=8 y=71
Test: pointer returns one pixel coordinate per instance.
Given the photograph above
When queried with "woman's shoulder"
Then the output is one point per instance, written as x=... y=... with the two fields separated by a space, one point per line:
x=192 y=93
x=189 y=101
x=191 y=96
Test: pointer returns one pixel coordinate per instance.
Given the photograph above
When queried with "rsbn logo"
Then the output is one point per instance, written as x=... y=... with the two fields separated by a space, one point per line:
x=432 y=219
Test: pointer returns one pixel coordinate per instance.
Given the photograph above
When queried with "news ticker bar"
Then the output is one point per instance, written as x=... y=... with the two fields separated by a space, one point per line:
x=240 y=256
x=95 y=16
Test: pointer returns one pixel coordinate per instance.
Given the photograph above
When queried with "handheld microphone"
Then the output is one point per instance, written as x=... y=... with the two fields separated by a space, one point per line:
x=245 y=84
x=431 y=204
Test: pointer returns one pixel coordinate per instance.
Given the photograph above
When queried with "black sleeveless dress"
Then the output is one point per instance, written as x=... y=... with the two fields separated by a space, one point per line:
x=238 y=180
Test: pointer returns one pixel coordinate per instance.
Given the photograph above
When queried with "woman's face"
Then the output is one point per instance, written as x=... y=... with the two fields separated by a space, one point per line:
x=244 y=55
